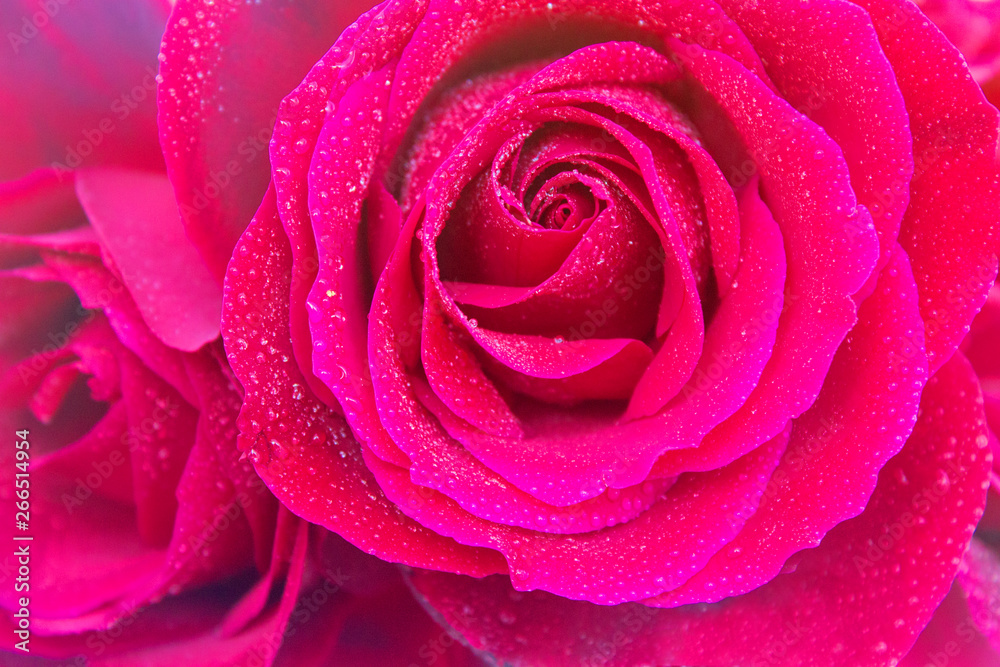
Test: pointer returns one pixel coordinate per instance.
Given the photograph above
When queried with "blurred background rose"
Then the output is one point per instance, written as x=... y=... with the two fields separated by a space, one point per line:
x=153 y=542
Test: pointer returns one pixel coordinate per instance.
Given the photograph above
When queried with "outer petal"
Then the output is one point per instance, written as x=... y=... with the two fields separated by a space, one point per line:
x=861 y=597
x=653 y=552
x=963 y=632
x=135 y=216
x=842 y=81
x=293 y=438
x=189 y=629
x=974 y=27
x=952 y=226
x=862 y=418
x=386 y=627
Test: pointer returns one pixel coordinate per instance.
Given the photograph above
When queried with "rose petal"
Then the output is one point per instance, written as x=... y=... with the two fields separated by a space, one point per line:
x=951 y=638
x=817 y=71
x=656 y=551
x=97 y=288
x=837 y=607
x=309 y=442
x=955 y=178
x=135 y=216
x=822 y=276
x=862 y=418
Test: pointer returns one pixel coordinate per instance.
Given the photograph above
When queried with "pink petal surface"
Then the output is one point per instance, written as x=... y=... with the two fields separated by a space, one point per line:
x=974 y=27
x=615 y=243
x=656 y=551
x=161 y=432
x=741 y=337
x=862 y=418
x=98 y=288
x=310 y=442
x=475 y=398
x=458 y=29
x=256 y=645
x=820 y=310
x=170 y=623
x=819 y=71
x=82 y=566
x=43 y=201
x=849 y=601
x=981 y=345
x=951 y=637
x=955 y=178
x=441 y=129
x=443 y=190
x=226 y=516
x=91 y=488
x=338 y=300
x=135 y=216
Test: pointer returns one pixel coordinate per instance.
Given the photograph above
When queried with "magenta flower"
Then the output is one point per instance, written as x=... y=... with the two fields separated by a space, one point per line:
x=645 y=314
x=614 y=333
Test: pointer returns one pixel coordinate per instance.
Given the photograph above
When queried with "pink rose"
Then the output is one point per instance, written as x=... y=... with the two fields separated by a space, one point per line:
x=630 y=326
x=630 y=329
